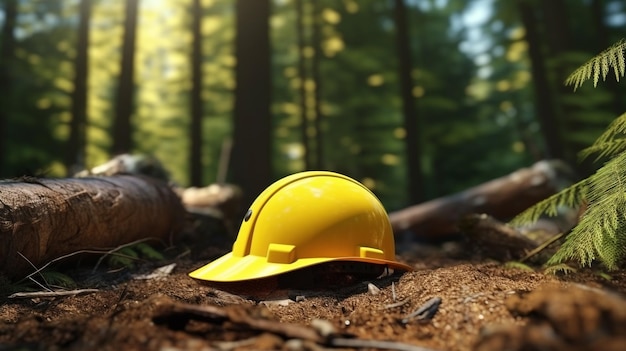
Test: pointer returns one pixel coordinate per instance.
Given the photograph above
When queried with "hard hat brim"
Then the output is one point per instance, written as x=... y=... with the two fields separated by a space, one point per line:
x=229 y=268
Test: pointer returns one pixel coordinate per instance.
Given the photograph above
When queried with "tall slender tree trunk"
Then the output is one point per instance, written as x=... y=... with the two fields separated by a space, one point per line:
x=545 y=102
x=603 y=41
x=251 y=162
x=195 y=154
x=561 y=42
x=7 y=56
x=410 y=115
x=75 y=153
x=315 y=71
x=122 y=134
x=304 y=120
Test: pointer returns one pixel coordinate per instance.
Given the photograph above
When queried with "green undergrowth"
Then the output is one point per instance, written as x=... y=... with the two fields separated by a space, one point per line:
x=600 y=234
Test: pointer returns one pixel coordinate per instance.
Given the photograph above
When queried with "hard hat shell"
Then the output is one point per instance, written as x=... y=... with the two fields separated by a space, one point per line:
x=306 y=219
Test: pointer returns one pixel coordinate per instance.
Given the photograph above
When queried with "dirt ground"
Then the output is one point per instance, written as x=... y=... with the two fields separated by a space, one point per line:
x=472 y=303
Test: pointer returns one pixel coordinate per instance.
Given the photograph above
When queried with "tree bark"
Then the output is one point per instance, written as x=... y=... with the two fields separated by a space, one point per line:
x=304 y=120
x=545 y=101
x=409 y=112
x=316 y=75
x=75 y=154
x=251 y=161
x=122 y=134
x=502 y=198
x=44 y=219
x=195 y=154
x=7 y=58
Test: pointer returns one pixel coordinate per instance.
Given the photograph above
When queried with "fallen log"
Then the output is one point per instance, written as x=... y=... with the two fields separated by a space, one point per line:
x=502 y=198
x=222 y=201
x=43 y=219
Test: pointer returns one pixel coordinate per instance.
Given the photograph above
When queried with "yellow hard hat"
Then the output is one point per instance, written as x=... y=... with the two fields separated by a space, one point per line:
x=306 y=219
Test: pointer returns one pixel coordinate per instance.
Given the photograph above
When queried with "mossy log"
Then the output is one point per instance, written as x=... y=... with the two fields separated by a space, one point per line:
x=43 y=219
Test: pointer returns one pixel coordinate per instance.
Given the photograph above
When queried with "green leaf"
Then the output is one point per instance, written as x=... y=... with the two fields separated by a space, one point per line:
x=572 y=196
x=601 y=231
x=519 y=265
x=600 y=65
x=148 y=252
x=559 y=268
x=58 y=278
x=122 y=258
x=611 y=142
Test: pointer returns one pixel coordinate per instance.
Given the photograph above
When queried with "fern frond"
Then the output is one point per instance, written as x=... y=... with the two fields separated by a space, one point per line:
x=518 y=265
x=601 y=231
x=600 y=65
x=611 y=142
x=561 y=267
x=572 y=196
x=602 y=150
x=148 y=252
x=58 y=278
x=123 y=258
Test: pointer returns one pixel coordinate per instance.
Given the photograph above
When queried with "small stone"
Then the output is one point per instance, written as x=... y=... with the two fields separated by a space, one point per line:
x=323 y=327
x=373 y=289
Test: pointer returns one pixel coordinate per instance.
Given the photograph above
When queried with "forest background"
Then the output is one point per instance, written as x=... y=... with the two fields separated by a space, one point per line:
x=415 y=98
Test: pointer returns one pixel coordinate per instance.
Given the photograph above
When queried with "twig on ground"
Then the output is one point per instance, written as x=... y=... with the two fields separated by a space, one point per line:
x=425 y=311
x=37 y=271
x=375 y=344
x=541 y=247
x=472 y=297
x=231 y=345
x=27 y=295
x=396 y=304
x=287 y=330
x=100 y=252
x=112 y=252
x=238 y=316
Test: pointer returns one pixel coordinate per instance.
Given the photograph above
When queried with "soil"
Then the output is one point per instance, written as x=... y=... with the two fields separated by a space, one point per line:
x=471 y=303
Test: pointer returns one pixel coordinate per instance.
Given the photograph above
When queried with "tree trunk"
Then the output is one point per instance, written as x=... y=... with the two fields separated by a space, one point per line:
x=43 y=219
x=251 y=159
x=195 y=154
x=502 y=198
x=410 y=115
x=7 y=55
x=75 y=153
x=122 y=135
x=545 y=104
x=316 y=74
x=304 y=120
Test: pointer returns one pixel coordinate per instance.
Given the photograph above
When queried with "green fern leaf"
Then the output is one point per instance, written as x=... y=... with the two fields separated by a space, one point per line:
x=122 y=258
x=611 y=142
x=148 y=252
x=572 y=196
x=559 y=268
x=601 y=231
x=518 y=265
x=58 y=278
x=600 y=65
x=608 y=149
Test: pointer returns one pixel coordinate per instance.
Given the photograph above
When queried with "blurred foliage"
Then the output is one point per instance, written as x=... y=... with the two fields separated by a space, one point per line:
x=126 y=256
x=473 y=95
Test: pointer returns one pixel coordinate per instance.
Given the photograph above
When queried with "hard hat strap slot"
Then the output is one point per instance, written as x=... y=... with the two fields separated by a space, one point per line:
x=280 y=253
